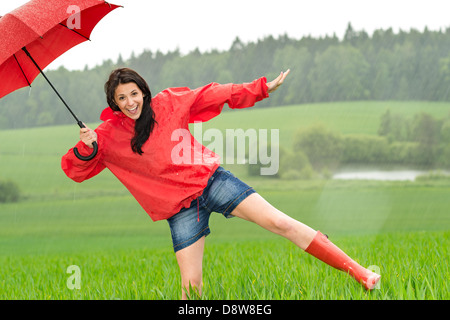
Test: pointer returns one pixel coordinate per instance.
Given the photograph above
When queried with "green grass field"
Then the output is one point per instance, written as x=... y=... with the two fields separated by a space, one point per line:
x=402 y=228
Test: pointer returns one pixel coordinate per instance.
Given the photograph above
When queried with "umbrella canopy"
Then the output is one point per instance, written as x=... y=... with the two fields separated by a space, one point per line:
x=47 y=28
x=40 y=31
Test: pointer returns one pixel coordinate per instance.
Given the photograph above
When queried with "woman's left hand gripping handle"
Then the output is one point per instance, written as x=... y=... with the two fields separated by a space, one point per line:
x=89 y=138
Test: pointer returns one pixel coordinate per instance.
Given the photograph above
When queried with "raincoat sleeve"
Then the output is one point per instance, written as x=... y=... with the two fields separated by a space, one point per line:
x=79 y=170
x=209 y=100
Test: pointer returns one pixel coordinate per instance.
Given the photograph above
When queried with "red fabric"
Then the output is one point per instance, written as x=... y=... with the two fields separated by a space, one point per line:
x=324 y=250
x=161 y=187
x=40 y=26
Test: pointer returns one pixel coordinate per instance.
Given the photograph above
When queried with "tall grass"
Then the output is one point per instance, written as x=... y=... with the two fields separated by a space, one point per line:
x=412 y=266
x=401 y=227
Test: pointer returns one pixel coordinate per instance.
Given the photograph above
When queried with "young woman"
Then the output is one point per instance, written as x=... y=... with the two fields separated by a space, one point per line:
x=136 y=144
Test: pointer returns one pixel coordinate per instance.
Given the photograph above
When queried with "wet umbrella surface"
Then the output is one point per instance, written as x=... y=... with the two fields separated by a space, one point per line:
x=37 y=33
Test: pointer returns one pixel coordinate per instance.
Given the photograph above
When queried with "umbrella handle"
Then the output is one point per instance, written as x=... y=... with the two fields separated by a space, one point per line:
x=94 y=144
x=88 y=158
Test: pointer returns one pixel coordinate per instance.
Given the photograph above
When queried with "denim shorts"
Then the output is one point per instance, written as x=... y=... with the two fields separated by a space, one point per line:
x=223 y=193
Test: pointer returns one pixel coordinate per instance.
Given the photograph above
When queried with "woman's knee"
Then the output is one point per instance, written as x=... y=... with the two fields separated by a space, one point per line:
x=190 y=263
x=281 y=224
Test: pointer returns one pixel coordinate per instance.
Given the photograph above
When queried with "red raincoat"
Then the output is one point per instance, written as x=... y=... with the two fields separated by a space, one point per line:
x=160 y=186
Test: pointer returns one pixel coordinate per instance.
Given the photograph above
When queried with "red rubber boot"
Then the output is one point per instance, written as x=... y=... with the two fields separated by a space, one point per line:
x=324 y=250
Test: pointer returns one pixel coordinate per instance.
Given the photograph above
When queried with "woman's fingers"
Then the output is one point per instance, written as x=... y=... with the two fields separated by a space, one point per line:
x=275 y=84
x=88 y=136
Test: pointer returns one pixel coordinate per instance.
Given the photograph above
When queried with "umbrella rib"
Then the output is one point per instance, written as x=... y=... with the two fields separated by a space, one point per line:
x=75 y=32
x=29 y=84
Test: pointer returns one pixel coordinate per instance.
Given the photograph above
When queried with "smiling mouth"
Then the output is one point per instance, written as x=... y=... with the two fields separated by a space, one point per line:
x=133 y=110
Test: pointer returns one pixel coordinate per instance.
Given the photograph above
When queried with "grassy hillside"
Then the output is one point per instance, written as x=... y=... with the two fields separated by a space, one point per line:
x=31 y=157
x=98 y=226
x=345 y=117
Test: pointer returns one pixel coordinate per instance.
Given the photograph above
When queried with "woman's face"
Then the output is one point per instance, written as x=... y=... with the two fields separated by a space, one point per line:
x=129 y=98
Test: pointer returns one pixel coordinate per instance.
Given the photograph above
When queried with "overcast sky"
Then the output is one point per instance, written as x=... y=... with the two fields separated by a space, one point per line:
x=209 y=24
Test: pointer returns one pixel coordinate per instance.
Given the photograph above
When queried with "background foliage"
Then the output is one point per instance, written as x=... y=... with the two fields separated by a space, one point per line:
x=413 y=65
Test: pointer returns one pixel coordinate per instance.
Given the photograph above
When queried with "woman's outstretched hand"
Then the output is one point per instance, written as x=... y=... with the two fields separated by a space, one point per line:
x=275 y=84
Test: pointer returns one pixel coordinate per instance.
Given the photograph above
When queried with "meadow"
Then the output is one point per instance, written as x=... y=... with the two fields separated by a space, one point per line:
x=401 y=228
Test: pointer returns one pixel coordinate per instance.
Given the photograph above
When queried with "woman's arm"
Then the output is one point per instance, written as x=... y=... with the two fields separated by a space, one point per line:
x=79 y=170
x=208 y=101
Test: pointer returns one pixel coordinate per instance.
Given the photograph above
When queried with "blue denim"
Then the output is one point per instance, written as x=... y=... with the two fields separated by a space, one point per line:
x=223 y=193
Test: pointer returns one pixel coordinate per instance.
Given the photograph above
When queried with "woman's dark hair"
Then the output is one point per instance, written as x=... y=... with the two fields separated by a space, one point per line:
x=146 y=122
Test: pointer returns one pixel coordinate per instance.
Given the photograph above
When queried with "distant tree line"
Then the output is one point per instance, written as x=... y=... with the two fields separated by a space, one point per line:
x=408 y=65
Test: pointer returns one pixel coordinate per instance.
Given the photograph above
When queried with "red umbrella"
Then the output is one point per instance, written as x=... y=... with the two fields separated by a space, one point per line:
x=35 y=34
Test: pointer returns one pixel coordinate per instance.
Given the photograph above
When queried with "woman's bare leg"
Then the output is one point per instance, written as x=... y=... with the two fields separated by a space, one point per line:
x=254 y=208
x=190 y=261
